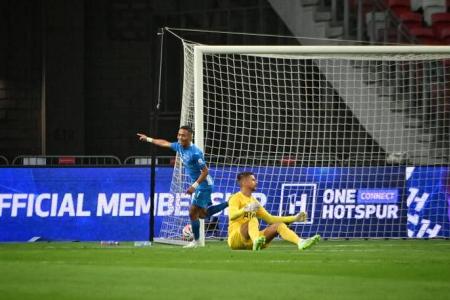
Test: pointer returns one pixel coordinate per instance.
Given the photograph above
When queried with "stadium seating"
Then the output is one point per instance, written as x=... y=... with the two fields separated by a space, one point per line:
x=431 y=7
x=399 y=6
x=423 y=22
x=425 y=35
x=410 y=19
x=426 y=20
x=445 y=35
x=441 y=26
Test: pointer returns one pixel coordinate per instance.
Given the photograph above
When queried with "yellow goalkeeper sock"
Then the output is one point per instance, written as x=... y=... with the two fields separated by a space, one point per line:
x=287 y=234
x=253 y=228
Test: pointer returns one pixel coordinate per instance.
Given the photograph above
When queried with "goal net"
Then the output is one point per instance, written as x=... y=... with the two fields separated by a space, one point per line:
x=357 y=137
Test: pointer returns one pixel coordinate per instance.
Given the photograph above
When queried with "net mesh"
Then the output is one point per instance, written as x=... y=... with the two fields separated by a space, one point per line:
x=360 y=143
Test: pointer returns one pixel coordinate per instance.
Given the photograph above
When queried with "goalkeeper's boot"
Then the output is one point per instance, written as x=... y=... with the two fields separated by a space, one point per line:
x=305 y=244
x=258 y=243
x=192 y=244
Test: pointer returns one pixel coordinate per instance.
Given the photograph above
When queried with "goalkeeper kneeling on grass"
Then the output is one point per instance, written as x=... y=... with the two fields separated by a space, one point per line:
x=244 y=212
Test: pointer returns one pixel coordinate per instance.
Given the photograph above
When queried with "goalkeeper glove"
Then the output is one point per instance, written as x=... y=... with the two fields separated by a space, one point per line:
x=252 y=207
x=301 y=216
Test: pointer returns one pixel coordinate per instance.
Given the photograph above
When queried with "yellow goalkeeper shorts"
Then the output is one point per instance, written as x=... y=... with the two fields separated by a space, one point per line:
x=237 y=242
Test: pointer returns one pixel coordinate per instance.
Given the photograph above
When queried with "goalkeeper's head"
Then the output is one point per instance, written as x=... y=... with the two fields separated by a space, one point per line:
x=185 y=134
x=247 y=181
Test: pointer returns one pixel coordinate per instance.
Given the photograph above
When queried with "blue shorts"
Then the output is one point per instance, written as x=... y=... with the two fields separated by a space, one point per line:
x=202 y=198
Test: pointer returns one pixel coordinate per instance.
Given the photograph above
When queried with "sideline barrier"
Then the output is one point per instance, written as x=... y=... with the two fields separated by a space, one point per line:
x=3 y=160
x=66 y=160
x=112 y=203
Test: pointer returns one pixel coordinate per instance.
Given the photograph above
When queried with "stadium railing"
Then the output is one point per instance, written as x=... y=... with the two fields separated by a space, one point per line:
x=3 y=160
x=66 y=160
x=146 y=160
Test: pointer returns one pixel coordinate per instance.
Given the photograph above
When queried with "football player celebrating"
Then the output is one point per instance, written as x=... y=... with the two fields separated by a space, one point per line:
x=201 y=184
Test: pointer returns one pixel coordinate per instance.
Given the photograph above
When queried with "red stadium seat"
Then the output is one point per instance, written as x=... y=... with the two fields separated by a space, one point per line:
x=406 y=3
x=441 y=23
x=399 y=6
x=442 y=31
x=439 y=18
x=411 y=19
x=425 y=35
x=444 y=35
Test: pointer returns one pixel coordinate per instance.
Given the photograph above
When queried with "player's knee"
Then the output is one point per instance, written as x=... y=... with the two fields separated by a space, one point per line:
x=253 y=220
x=280 y=226
x=203 y=213
x=193 y=213
x=193 y=216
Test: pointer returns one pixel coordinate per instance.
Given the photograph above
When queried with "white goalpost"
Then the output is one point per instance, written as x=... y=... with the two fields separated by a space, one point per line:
x=356 y=136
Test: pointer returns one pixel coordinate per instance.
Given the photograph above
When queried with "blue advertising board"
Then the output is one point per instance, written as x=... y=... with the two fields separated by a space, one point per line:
x=74 y=203
x=340 y=202
x=428 y=202
x=89 y=204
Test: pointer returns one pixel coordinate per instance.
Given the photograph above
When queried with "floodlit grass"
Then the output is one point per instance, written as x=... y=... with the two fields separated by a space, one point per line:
x=374 y=269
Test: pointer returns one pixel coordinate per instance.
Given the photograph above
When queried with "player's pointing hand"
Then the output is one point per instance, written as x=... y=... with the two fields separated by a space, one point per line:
x=142 y=137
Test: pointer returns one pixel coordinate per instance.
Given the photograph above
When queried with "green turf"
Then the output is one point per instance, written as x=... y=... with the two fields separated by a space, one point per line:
x=376 y=269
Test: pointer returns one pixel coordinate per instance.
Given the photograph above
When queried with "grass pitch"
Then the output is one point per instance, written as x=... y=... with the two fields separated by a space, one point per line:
x=374 y=269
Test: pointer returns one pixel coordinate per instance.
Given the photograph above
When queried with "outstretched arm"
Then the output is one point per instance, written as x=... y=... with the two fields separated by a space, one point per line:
x=269 y=219
x=157 y=142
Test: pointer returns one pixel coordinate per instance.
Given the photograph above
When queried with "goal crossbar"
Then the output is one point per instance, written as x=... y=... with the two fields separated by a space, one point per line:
x=331 y=50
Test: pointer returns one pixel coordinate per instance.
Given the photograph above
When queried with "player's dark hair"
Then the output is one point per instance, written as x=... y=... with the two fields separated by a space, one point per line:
x=243 y=175
x=188 y=128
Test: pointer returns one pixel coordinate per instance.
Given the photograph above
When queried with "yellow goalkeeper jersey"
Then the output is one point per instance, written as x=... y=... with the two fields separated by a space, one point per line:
x=237 y=216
